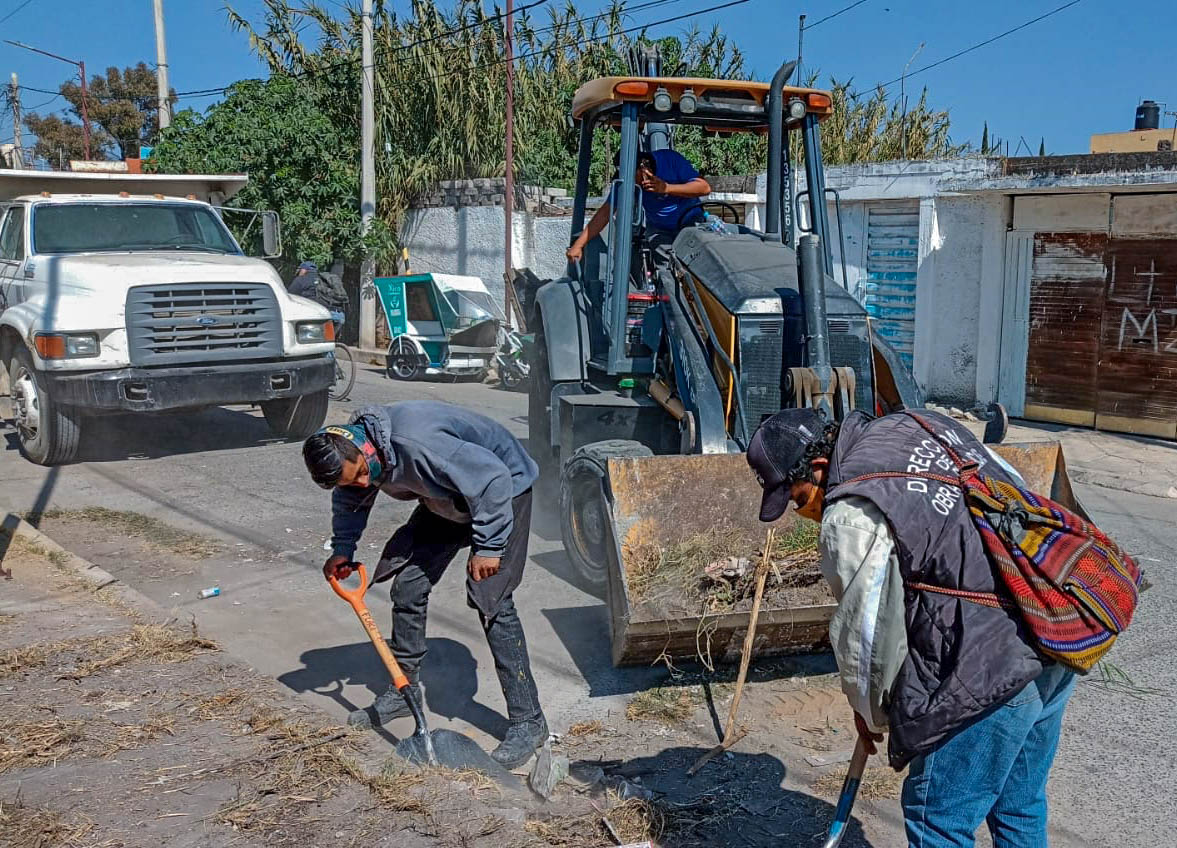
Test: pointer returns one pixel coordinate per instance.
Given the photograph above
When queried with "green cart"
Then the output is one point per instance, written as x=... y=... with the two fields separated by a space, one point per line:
x=440 y=324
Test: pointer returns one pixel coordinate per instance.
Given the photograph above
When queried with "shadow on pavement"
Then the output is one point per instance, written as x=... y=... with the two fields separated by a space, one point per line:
x=449 y=676
x=737 y=799
x=151 y=436
x=584 y=632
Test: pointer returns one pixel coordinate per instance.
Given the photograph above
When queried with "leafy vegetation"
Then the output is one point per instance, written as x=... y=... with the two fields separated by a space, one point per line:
x=440 y=107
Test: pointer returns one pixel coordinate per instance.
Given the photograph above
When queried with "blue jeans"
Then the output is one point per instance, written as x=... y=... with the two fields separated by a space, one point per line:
x=338 y=319
x=993 y=770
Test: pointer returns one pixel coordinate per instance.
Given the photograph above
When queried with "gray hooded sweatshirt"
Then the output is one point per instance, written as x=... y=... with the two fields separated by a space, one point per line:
x=461 y=465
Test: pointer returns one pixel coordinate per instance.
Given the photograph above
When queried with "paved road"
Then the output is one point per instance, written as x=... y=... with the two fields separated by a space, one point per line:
x=219 y=473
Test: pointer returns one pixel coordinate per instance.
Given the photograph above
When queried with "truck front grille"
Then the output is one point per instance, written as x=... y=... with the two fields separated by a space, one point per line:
x=186 y=323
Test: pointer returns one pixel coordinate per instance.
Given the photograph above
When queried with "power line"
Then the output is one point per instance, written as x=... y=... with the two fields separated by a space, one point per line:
x=587 y=41
x=14 y=11
x=830 y=17
x=976 y=46
x=211 y=92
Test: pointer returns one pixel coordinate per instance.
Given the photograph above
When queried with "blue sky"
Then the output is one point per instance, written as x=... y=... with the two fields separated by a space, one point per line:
x=1078 y=72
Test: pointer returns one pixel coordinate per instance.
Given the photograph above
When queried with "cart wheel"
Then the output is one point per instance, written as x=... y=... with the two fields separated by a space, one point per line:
x=403 y=363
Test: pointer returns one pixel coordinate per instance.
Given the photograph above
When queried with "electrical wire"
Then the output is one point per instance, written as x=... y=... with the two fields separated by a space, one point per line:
x=14 y=11
x=211 y=92
x=830 y=17
x=977 y=46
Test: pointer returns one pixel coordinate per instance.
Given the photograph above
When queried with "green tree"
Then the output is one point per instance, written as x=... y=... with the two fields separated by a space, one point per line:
x=302 y=162
x=60 y=140
x=123 y=103
x=123 y=108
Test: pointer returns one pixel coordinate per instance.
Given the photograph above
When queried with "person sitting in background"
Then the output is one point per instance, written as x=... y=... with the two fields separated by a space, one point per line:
x=671 y=188
x=323 y=288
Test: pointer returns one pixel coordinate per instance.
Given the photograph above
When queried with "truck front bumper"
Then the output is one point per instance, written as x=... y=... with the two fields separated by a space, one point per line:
x=154 y=389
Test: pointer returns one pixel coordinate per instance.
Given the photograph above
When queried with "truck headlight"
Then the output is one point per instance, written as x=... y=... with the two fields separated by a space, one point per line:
x=315 y=332
x=66 y=345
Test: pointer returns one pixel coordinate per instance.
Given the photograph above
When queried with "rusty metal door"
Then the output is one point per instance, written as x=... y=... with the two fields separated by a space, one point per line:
x=1137 y=387
x=1067 y=288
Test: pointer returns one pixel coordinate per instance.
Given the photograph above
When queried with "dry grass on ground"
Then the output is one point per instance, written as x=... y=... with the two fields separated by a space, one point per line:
x=665 y=704
x=24 y=827
x=624 y=822
x=878 y=784
x=159 y=534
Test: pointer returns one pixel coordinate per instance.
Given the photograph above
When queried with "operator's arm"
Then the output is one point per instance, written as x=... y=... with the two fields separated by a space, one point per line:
x=350 y=507
x=697 y=187
x=868 y=630
x=595 y=226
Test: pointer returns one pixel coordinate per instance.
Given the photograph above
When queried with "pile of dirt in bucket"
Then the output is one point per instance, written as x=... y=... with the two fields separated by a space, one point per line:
x=714 y=572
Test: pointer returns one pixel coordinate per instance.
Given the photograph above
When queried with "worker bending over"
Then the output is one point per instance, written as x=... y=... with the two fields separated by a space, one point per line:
x=973 y=710
x=473 y=481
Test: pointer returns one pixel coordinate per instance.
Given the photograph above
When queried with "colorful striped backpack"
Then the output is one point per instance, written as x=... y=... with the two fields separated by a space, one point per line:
x=1075 y=588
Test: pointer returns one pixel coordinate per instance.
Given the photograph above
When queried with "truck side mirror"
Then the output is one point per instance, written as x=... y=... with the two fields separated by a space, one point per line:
x=271 y=235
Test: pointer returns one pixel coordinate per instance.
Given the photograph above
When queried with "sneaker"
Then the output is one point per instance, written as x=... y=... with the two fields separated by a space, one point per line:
x=388 y=705
x=521 y=742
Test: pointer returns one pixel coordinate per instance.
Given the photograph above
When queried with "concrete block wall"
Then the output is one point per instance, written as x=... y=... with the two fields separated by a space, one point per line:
x=471 y=240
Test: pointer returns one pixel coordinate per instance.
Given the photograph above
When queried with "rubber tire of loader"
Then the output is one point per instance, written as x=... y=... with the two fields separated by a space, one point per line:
x=539 y=412
x=56 y=439
x=296 y=418
x=584 y=507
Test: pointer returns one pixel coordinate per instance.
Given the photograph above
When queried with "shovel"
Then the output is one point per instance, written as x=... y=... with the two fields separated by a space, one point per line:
x=439 y=747
x=846 y=799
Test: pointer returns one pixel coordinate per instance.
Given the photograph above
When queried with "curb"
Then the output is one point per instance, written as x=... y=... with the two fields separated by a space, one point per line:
x=94 y=576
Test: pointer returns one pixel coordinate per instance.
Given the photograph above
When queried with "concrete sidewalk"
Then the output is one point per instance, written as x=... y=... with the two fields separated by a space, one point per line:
x=1112 y=460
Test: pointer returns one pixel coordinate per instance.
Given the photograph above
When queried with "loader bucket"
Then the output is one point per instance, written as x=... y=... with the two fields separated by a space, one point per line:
x=667 y=500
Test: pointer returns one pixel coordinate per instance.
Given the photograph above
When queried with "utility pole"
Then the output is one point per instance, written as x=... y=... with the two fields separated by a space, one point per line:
x=903 y=98
x=800 y=38
x=367 y=176
x=81 y=66
x=161 y=68
x=509 y=186
x=18 y=152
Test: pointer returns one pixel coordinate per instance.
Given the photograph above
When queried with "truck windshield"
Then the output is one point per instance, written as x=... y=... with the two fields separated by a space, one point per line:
x=99 y=227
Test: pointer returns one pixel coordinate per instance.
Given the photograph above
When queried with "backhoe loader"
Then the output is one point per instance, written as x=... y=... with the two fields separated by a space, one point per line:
x=651 y=368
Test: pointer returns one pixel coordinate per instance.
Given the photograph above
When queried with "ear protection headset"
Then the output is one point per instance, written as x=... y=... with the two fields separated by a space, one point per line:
x=356 y=435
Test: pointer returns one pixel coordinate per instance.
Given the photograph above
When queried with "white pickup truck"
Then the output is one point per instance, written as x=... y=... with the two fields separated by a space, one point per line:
x=128 y=302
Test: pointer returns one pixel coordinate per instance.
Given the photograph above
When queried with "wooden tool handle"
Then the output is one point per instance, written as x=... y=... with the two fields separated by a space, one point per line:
x=355 y=597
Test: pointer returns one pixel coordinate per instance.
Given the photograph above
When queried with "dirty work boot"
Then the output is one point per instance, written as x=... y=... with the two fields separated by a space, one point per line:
x=521 y=741
x=388 y=705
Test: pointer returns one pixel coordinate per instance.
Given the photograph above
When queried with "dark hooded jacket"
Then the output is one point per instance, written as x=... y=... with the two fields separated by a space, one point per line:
x=460 y=465
x=963 y=657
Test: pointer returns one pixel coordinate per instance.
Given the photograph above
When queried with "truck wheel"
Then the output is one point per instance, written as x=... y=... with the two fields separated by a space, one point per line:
x=49 y=432
x=539 y=412
x=298 y=417
x=584 y=506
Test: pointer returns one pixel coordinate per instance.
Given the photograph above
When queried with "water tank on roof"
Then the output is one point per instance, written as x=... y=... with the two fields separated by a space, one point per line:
x=1148 y=115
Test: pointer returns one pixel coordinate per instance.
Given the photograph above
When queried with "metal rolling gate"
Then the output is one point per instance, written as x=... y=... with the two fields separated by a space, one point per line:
x=892 y=261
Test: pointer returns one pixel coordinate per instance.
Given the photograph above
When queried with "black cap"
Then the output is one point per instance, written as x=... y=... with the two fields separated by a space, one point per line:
x=776 y=448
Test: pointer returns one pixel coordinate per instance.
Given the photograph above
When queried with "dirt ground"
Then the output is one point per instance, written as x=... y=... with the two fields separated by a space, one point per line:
x=120 y=728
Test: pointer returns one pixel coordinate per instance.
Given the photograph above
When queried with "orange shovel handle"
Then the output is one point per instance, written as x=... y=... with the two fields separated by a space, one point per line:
x=355 y=597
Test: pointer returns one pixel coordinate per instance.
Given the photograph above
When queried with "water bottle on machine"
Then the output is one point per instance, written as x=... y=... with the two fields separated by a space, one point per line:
x=715 y=224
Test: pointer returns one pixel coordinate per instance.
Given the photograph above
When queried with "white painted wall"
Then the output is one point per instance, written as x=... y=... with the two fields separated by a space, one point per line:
x=469 y=240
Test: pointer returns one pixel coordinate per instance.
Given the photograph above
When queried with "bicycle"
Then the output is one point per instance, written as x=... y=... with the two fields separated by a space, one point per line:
x=345 y=368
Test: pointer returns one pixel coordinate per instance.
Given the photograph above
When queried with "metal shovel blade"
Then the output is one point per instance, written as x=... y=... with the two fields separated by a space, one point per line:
x=456 y=751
